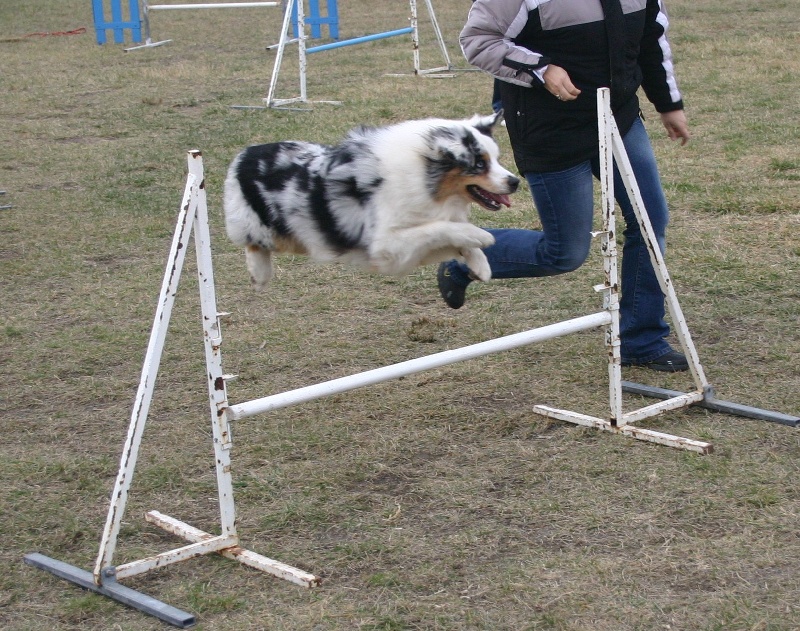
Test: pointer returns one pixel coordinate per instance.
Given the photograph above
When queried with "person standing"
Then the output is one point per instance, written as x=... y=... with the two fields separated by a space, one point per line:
x=550 y=57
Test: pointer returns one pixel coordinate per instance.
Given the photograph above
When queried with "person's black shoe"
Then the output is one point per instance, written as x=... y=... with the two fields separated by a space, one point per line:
x=452 y=292
x=673 y=361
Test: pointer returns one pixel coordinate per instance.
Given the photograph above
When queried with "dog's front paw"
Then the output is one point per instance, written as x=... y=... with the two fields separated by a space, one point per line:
x=478 y=264
x=474 y=237
x=487 y=239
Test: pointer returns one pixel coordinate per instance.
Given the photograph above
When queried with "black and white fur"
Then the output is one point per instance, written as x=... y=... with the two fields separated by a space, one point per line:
x=389 y=198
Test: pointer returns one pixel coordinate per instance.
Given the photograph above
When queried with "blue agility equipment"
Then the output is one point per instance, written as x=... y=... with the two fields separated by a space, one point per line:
x=316 y=20
x=118 y=23
x=138 y=18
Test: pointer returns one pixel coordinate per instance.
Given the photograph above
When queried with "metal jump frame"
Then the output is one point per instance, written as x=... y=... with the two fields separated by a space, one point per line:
x=304 y=51
x=146 y=8
x=194 y=216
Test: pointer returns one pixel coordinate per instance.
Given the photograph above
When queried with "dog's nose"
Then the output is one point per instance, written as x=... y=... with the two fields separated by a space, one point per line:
x=513 y=183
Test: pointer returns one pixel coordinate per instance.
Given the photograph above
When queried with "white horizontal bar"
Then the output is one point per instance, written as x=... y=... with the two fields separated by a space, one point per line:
x=148 y=44
x=212 y=5
x=386 y=373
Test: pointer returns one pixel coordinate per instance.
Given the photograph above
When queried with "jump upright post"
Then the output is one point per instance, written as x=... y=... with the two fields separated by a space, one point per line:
x=295 y=15
x=193 y=219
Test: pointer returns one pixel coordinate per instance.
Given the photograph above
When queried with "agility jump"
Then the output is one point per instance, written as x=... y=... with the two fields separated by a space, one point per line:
x=138 y=20
x=293 y=30
x=297 y=7
x=146 y=8
x=193 y=218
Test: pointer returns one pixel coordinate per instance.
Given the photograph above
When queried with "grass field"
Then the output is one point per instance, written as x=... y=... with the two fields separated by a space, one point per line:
x=437 y=502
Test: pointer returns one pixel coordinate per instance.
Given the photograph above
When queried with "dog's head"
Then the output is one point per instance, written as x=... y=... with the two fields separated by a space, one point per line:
x=463 y=162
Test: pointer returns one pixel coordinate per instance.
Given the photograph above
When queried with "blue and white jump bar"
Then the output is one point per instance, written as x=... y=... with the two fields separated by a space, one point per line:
x=359 y=40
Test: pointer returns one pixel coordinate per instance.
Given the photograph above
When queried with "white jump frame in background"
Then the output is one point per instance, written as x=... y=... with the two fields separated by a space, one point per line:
x=147 y=8
x=304 y=51
x=193 y=217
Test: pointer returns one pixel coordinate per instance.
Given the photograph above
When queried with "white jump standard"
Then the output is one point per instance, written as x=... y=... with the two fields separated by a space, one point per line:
x=147 y=8
x=303 y=51
x=193 y=217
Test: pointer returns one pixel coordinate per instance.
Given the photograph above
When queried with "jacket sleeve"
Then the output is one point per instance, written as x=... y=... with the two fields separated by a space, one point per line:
x=655 y=60
x=487 y=41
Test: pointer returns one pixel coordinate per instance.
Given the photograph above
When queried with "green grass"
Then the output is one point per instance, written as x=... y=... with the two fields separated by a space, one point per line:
x=437 y=502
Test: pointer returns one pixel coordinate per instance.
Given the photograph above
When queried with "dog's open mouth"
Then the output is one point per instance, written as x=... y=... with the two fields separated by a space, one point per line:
x=489 y=201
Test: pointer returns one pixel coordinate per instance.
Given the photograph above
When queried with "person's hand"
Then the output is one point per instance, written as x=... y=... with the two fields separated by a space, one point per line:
x=676 y=125
x=558 y=83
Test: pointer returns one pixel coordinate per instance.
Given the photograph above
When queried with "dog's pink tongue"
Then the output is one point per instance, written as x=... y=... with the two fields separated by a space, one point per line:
x=505 y=200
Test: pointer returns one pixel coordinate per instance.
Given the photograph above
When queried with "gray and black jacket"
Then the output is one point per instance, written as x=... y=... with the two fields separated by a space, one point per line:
x=596 y=43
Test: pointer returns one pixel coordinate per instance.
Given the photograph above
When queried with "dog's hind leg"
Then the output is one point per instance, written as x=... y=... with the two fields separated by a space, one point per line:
x=259 y=264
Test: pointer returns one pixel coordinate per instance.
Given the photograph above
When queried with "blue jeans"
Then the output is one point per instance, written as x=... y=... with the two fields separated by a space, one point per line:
x=565 y=204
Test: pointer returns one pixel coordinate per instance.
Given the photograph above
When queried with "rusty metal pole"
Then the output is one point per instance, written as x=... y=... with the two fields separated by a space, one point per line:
x=415 y=36
x=612 y=149
x=608 y=237
x=212 y=341
x=149 y=373
x=657 y=259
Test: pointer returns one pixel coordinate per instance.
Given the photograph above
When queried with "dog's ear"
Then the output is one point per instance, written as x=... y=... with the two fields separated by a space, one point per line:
x=485 y=124
x=449 y=147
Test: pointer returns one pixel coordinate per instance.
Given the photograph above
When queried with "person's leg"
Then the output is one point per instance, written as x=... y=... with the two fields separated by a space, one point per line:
x=642 y=326
x=565 y=205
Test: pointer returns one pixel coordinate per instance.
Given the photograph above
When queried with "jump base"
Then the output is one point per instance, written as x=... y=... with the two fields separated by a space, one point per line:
x=112 y=589
x=712 y=403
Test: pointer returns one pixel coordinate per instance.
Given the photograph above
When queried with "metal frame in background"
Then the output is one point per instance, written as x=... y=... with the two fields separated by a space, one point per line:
x=193 y=217
x=297 y=6
x=146 y=8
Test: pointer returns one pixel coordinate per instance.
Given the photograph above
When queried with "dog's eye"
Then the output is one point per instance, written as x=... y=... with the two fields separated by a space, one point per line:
x=480 y=164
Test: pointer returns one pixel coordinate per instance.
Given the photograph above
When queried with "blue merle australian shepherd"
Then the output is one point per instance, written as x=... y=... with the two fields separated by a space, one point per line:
x=389 y=199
